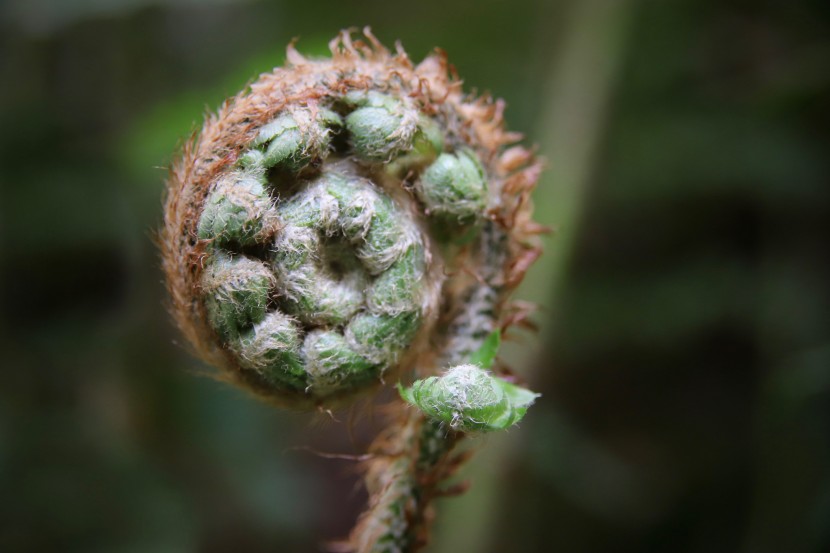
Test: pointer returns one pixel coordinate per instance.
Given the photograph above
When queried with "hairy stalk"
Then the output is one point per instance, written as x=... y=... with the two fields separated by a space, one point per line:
x=418 y=454
x=351 y=221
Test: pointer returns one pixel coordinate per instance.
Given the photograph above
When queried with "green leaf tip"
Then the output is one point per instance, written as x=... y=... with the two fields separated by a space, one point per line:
x=470 y=399
x=406 y=394
x=485 y=356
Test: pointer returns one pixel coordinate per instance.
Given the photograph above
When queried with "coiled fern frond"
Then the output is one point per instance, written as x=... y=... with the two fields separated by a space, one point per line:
x=343 y=222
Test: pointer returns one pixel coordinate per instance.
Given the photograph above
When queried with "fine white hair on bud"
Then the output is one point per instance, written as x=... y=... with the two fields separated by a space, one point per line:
x=469 y=398
x=238 y=211
x=454 y=185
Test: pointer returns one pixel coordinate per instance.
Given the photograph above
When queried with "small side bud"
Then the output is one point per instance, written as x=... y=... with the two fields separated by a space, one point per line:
x=454 y=185
x=382 y=127
x=470 y=399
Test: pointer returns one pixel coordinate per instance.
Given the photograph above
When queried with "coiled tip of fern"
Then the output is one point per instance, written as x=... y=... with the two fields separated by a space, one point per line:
x=343 y=219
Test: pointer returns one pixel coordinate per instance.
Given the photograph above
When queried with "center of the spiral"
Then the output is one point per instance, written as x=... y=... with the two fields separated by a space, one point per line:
x=338 y=259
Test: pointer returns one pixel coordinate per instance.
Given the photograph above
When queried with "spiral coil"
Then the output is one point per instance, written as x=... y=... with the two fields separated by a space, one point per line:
x=337 y=221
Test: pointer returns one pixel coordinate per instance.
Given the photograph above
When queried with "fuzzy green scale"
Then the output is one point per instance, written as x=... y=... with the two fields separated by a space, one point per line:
x=327 y=301
x=454 y=185
x=384 y=238
x=293 y=140
x=272 y=348
x=381 y=338
x=331 y=362
x=396 y=290
x=237 y=211
x=381 y=127
x=236 y=293
x=356 y=203
x=428 y=141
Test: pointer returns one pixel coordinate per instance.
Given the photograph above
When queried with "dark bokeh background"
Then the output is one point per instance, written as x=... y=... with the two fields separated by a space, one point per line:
x=684 y=344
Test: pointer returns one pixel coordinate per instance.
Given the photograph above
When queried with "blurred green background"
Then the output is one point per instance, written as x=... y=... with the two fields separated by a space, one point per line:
x=684 y=332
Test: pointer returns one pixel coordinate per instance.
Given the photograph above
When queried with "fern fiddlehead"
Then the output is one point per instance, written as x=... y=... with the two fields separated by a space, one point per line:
x=347 y=221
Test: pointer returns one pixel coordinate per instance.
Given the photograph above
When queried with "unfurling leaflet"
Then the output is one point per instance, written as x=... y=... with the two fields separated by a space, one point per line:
x=470 y=399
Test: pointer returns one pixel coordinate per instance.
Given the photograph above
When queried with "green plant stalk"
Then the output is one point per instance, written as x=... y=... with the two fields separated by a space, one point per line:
x=579 y=91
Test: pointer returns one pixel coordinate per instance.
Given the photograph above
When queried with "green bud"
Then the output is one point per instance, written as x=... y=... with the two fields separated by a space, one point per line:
x=381 y=338
x=332 y=364
x=253 y=160
x=396 y=289
x=272 y=348
x=381 y=127
x=238 y=210
x=470 y=399
x=454 y=185
x=236 y=292
x=386 y=237
x=295 y=139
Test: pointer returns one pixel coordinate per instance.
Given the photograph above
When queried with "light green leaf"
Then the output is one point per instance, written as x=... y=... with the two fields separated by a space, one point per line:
x=486 y=354
x=469 y=399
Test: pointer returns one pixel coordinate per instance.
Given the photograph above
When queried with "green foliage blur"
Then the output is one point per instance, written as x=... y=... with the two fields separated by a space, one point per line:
x=683 y=350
